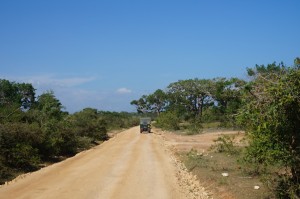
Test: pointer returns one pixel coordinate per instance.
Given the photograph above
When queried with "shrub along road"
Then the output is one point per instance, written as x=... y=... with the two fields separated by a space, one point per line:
x=130 y=165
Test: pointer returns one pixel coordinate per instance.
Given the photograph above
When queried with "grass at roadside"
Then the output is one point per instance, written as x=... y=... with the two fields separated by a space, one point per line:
x=221 y=171
x=186 y=128
x=209 y=169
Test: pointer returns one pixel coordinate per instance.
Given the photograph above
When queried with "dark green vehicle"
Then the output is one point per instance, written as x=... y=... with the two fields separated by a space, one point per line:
x=145 y=124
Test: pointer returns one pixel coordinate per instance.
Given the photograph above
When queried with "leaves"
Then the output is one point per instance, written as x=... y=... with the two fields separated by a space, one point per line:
x=271 y=115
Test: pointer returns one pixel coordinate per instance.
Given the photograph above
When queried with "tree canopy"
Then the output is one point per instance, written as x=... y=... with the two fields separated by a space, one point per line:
x=271 y=116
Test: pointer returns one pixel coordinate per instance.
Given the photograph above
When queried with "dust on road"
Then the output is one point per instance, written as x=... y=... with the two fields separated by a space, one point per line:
x=130 y=165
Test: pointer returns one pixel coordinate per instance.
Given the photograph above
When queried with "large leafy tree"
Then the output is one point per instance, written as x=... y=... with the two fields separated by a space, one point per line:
x=49 y=115
x=141 y=104
x=49 y=106
x=228 y=93
x=12 y=92
x=271 y=116
x=157 y=101
x=15 y=97
x=192 y=94
x=18 y=140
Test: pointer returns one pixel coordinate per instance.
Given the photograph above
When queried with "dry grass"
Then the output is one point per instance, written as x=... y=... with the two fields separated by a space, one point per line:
x=209 y=167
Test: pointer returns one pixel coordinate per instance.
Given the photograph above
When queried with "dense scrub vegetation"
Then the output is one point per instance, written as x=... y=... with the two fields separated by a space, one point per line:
x=271 y=116
x=37 y=130
x=266 y=106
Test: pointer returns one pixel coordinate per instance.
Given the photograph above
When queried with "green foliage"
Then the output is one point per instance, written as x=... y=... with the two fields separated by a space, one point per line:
x=88 y=124
x=23 y=156
x=14 y=97
x=168 y=121
x=195 y=126
x=192 y=94
x=228 y=99
x=49 y=107
x=265 y=70
x=155 y=102
x=19 y=145
x=271 y=116
x=13 y=93
x=5 y=172
x=141 y=104
x=59 y=138
x=297 y=62
x=286 y=188
x=84 y=143
x=69 y=144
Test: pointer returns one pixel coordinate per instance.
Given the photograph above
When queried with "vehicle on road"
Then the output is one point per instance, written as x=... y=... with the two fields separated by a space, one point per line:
x=145 y=124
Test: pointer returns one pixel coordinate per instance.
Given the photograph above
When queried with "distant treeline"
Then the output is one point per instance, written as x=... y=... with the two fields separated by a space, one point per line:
x=34 y=130
x=194 y=101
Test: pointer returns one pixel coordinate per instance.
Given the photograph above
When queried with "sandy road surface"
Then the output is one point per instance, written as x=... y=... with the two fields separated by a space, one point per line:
x=130 y=165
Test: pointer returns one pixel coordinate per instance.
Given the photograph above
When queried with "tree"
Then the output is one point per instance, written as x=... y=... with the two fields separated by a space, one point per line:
x=192 y=94
x=228 y=95
x=141 y=104
x=157 y=101
x=8 y=93
x=87 y=123
x=15 y=97
x=27 y=94
x=50 y=107
x=11 y=92
x=271 y=115
x=297 y=62
x=262 y=70
x=48 y=113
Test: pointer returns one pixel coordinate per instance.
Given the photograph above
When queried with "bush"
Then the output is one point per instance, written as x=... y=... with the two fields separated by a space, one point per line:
x=87 y=123
x=225 y=144
x=195 y=127
x=24 y=156
x=271 y=116
x=168 y=121
x=286 y=187
x=84 y=143
x=19 y=145
x=5 y=172
x=282 y=185
x=70 y=141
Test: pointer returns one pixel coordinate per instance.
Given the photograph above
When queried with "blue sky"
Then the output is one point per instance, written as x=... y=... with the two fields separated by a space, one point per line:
x=103 y=54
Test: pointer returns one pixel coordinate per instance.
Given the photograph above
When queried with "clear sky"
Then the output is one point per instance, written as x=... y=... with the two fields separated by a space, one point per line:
x=105 y=53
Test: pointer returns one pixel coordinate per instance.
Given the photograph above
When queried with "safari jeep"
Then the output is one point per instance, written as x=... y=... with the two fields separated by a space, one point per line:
x=145 y=124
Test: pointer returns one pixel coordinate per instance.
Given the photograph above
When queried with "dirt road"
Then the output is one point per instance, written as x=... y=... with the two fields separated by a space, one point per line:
x=130 y=165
